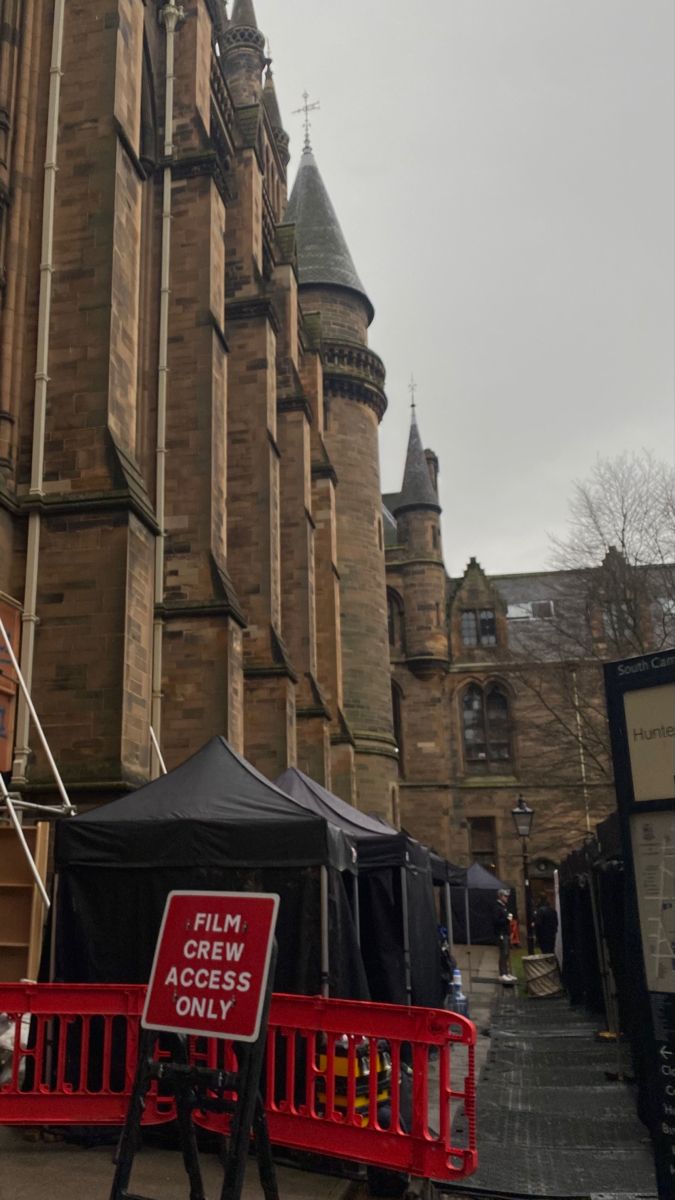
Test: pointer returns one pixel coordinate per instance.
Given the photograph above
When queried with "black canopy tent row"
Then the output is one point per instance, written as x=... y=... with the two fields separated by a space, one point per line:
x=396 y=912
x=212 y=824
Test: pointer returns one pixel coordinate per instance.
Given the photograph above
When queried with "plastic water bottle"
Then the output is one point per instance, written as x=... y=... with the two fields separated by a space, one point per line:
x=460 y=1003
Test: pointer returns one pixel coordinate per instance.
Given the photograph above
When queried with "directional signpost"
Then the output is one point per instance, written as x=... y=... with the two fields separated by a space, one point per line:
x=641 y=709
x=211 y=977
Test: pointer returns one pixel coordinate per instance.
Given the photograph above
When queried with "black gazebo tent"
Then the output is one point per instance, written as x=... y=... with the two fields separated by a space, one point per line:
x=395 y=883
x=213 y=823
x=474 y=894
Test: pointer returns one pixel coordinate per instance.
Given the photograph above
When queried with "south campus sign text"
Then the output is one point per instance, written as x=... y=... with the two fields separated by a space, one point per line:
x=211 y=963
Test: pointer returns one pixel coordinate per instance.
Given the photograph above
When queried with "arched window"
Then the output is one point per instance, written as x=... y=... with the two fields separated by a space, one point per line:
x=395 y=620
x=475 y=741
x=497 y=722
x=486 y=725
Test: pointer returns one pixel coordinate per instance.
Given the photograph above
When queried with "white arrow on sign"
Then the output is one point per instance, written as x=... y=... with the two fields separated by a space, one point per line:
x=665 y=1053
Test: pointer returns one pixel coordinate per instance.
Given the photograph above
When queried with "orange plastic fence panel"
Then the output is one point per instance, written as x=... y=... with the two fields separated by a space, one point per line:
x=376 y=1083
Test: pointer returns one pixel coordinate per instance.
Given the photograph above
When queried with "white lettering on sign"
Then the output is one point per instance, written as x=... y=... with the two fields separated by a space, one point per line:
x=657 y=662
x=218 y=922
x=203 y=1007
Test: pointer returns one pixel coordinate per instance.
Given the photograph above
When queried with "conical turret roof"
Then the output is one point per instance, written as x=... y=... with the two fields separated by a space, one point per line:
x=323 y=253
x=243 y=13
x=417 y=491
x=270 y=101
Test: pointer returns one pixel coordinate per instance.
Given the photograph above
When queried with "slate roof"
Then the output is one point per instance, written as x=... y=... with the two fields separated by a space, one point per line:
x=323 y=254
x=417 y=491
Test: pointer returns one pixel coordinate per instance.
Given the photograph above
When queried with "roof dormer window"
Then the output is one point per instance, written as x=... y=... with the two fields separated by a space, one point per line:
x=478 y=627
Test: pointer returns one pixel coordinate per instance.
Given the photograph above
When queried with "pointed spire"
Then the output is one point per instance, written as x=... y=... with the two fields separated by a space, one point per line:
x=417 y=490
x=270 y=100
x=323 y=253
x=243 y=14
x=271 y=105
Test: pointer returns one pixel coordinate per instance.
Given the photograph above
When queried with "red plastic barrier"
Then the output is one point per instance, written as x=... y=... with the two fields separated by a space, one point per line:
x=75 y=1060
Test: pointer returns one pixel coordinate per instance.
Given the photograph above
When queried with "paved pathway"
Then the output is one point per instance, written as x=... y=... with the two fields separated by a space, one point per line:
x=553 y=1120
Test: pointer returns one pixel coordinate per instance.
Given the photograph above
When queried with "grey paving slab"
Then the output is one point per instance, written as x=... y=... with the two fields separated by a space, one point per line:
x=553 y=1119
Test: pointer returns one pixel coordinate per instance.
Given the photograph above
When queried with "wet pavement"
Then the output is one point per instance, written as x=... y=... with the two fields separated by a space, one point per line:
x=32 y=1170
x=556 y=1117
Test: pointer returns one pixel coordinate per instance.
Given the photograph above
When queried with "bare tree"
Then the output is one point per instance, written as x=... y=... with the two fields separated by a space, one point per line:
x=621 y=547
x=611 y=595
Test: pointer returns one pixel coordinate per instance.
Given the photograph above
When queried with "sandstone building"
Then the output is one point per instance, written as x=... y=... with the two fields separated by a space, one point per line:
x=190 y=520
x=497 y=686
x=192 y=536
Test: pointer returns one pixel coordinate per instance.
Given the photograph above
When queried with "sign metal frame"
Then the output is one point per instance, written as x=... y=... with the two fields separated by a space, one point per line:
x=635 y=778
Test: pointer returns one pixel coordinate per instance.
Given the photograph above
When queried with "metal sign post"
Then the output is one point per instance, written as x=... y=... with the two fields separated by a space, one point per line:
x=211 y=977
x=641 y=710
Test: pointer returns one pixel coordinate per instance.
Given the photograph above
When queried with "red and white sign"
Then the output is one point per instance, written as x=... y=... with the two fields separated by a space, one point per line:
x=211 y=964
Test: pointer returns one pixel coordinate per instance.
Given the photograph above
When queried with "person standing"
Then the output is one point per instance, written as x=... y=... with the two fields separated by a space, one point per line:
x=546 y=926
x=502 y=928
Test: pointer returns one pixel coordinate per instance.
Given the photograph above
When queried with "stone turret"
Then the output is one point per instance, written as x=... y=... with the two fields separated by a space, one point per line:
x=417 y=513
x=243 y=54
x=354 y=402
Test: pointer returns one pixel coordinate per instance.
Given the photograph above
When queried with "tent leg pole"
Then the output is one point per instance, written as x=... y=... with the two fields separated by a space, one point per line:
x=357 y=911
x=468 y=930
x=52 y=932
x=406 y=937
x=448 y=918
x=325 y=962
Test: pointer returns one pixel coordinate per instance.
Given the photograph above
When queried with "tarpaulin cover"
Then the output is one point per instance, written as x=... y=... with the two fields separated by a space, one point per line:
x=444 y=871
x=386 y=856
x=378 y=845
x=483 y=887
x=214 y=823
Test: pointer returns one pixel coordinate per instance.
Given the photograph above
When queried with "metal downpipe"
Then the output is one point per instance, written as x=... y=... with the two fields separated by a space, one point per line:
x=171 y=15
x=29 y=616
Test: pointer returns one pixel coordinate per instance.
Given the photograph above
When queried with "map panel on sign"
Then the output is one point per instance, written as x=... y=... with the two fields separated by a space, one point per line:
x=653 y=837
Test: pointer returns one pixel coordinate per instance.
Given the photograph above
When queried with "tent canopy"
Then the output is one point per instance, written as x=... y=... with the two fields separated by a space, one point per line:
x=444 y=871
x=377 y=844
x=480 y=879
x=390 y=861
x=477 y=890
x=213 y=808
x=212 y=824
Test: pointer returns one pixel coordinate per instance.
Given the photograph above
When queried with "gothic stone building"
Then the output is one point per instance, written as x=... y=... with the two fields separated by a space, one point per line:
x=497 y=686
x=191 y=526
x=190 y=520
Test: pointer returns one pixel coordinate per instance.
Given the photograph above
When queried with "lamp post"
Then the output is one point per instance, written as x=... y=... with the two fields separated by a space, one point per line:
x=523 y=816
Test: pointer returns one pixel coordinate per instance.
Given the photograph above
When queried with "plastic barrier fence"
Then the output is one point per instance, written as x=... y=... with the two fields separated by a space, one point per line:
x=376 y=1083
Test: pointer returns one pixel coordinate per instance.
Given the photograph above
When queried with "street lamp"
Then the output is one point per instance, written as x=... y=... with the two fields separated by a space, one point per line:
x=523 y=816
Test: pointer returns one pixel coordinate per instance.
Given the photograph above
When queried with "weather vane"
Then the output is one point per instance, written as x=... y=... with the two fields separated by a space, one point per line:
x=412 y=388
x=307 y=108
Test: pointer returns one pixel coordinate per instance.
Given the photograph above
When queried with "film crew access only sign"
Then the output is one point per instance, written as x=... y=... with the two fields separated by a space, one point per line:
x=211 y=964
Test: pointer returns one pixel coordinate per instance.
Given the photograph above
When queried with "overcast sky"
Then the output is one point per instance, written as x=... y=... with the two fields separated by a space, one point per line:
x=503 y=172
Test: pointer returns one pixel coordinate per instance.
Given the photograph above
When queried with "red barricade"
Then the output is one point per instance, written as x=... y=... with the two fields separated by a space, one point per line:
x=375 y=1083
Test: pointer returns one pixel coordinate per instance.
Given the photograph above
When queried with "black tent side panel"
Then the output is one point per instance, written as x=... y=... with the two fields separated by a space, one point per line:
x=382 y=934
x=425 y=950
x=109 y=918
